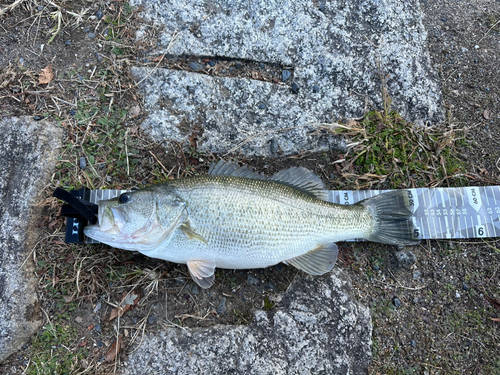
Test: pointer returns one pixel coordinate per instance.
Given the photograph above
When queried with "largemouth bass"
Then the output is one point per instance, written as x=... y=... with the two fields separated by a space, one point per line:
x=237 y=218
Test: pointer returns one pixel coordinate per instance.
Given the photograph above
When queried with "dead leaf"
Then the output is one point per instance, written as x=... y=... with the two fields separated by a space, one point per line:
x=487 y=114
x=46 y=75
x=113 y=314
x=159 y=58
x=494 y=303
x=78 y=319
x=83 y=343
x=134 y=111
x=90 y=327
x=496 y=320
x=128 y=302
x=114 y=350
x=67 y=299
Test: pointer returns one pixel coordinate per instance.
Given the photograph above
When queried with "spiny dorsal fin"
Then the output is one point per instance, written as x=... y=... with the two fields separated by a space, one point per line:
x=228 y=168
x=303 y=179
x=318 y=261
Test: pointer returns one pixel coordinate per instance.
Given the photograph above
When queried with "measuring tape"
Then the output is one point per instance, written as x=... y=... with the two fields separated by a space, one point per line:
x=439 y=213
x=467 y=212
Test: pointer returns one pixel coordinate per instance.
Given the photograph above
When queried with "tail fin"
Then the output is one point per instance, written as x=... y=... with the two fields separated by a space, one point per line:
x=392 y=212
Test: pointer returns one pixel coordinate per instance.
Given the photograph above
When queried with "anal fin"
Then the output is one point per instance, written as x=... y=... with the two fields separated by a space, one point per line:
x=318 y=261
x=202 y=272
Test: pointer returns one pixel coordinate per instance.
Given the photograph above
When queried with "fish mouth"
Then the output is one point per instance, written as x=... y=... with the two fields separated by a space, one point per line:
x=109 y=230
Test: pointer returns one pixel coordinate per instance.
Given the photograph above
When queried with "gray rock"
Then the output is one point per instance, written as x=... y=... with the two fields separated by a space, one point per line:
x=252 y=280
x=318 y=327
x=406 y=259
x=228 y=114
x=28 y=152
x=343 y=49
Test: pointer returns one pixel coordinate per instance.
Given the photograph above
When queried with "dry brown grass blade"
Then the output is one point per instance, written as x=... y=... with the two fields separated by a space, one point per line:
x=10 y=7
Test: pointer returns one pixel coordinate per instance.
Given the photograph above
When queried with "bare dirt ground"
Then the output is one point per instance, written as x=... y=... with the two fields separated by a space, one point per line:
x=431 y=316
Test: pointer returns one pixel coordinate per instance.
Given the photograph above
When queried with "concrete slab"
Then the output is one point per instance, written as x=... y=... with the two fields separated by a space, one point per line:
x=318 y=328
x=336 y=53
x=28 y=150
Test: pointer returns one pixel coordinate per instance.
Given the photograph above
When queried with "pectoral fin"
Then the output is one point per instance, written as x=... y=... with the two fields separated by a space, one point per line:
x=186 y=229
x=318 y=261
x=202 y=272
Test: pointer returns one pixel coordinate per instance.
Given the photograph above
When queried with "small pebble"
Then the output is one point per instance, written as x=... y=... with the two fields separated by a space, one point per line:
x=135 y=319
x=465 y=286
x=285 y=75
x=37 y=118
x=152 y=319
x=40 y=8
x=83 y=163
x=99 y=343
x=98 y=328
x=91 y=35
x=196 y=66
x=406 y=259
x=443 y=19
x=375 y=268
x=270 y=286
x=231 y=69
x=476 y=46
x=457 y=295
x=86 y=29
x=396 y=302
x=99 y=14
x=21 y=61
x=238 y=65
x=252 y=280
x=97 y=307
x=222 y=306
x=416 y=275
x=413 y=344
x=315 y=88
x=274 y=146
x=195 y=290
x=262 y=106
x=68 y=42
x=295 y=88
x=261 y=65
x=212 y=63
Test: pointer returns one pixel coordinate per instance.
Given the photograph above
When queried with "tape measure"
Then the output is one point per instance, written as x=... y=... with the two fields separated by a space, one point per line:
x=439 y=213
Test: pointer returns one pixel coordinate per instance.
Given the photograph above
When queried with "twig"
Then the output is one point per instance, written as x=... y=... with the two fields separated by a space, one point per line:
x=11 y=6
x=159 y=162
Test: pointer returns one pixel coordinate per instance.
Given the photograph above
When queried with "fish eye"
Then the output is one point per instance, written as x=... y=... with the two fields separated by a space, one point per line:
x=124 y=198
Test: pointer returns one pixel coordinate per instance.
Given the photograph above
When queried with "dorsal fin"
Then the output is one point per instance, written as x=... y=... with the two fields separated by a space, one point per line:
x=228 y=168
x=303 y=179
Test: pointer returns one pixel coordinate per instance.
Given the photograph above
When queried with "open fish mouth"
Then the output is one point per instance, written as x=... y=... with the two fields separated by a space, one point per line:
x=109 y=229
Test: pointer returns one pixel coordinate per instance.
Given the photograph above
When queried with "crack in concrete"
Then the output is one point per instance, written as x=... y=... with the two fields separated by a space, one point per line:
x=227 y=67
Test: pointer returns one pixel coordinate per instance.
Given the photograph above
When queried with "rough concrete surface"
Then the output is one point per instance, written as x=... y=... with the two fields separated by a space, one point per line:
x=27 y=155
x=336 y=52
x=318 y=328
